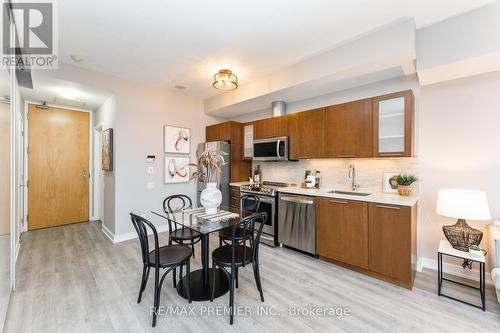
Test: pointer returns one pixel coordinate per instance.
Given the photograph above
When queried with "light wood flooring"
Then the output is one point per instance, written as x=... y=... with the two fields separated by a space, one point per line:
x=72 y=279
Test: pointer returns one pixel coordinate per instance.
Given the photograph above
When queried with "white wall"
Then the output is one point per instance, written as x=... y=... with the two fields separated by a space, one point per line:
x=106 y=115
x=141 y=113
x=459 y=148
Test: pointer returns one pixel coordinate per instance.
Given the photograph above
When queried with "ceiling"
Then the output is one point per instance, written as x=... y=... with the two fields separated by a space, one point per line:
x=52 y=90
x=168 y=43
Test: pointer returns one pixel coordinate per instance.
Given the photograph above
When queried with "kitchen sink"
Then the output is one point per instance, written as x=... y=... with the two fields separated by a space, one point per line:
x=360 y=194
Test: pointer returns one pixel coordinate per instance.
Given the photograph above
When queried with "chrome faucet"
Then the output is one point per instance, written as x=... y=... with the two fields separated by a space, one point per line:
x=352 y=176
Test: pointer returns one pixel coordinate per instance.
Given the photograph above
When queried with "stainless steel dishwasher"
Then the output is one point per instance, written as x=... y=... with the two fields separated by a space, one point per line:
x=297 y=222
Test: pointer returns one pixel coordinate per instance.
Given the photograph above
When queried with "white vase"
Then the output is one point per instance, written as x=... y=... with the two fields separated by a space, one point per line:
x=211 y=198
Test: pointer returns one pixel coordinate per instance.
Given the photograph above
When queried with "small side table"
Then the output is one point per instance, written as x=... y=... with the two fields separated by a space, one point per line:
x=446 y=249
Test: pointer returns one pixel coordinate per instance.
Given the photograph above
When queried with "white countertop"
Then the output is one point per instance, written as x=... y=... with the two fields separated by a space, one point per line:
x=378 y=197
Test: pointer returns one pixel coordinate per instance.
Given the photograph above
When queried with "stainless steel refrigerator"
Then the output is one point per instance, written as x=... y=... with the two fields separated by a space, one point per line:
x=224 y=149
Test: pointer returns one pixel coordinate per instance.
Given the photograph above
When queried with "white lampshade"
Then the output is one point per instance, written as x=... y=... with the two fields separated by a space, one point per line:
x=463 y=204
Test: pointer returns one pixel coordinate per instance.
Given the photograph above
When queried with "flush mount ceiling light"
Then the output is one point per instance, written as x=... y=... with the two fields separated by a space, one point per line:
x=225 y=80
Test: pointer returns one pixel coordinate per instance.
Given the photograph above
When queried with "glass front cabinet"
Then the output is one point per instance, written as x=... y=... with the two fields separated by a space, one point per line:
x=393 y=125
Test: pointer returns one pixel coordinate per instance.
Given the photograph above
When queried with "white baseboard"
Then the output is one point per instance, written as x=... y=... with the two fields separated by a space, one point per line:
x=453 y=270
x=130 y=235
x=108 y=233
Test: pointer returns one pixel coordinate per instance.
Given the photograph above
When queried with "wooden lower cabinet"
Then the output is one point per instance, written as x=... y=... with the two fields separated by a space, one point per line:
x=375 y=239
x=342 y=231
x=392 y=243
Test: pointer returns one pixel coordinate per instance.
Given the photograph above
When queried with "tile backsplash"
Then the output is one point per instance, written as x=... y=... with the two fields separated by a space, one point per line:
x=335 y=172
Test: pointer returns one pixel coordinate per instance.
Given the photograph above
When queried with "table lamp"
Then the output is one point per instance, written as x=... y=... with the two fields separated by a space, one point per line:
x=462 y=205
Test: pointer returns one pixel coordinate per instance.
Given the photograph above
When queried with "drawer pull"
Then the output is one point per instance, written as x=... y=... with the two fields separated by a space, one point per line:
x=387 y=207
x=339 y=202
x=390 y=154
x=304 y=156
x=346 y=155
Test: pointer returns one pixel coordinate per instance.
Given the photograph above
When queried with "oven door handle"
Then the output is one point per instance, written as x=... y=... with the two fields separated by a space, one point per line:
x=267 y=200
x=262 y=198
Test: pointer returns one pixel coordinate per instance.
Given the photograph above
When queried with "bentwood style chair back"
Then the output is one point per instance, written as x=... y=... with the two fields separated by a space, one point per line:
x=178 y=233
x=165 y=257
x=231 y=257
x=249 y=204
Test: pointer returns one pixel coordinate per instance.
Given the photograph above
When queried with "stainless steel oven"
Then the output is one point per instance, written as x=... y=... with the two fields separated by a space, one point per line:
x=268 y=206
x=272 y=149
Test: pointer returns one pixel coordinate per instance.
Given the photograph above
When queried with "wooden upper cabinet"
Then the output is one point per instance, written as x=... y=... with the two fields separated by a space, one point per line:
x=306 y=132
x=392 y=241
x=218 y=132
x=349 y=129
x=393 y=124
x=270 y=127
x=248 y=141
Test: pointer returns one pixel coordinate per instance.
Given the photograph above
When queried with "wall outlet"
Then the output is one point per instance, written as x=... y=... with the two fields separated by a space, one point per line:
x=150 y=170
x=151 y=185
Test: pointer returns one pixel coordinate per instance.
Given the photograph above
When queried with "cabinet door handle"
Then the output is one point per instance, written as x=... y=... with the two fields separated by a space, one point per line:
x=387 y=207
x=304 y=156
x=339 y=202
x=346 y=155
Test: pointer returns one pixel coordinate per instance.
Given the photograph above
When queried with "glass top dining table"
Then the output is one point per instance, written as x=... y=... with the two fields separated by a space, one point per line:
x=201 y=279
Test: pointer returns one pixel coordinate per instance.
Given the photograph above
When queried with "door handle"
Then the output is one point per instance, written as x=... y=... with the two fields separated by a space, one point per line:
x=387 y=207
x=278 y=148
x=339 y=202
x=303 y=201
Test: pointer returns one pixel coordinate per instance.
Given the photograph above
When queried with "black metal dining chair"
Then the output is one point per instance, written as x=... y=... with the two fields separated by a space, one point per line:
x=166 y=257
x=249 y=204
x=238 y=255
x=180 y=234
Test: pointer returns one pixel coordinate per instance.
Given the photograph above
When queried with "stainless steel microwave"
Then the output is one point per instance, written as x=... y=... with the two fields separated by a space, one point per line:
x=272 y=149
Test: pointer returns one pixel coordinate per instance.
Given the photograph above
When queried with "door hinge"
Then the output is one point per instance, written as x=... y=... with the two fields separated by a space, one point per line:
x=28 y=150
x=28 y=184
x=27 y=218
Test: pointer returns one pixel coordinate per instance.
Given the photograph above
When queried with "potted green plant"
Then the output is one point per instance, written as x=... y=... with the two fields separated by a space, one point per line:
x=475 y=251
x=404 y=184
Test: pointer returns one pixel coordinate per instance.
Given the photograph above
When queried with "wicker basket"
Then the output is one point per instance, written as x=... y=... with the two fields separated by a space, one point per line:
x=404 y=190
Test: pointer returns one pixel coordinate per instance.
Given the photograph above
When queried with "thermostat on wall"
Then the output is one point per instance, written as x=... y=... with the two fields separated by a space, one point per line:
x=150 y=158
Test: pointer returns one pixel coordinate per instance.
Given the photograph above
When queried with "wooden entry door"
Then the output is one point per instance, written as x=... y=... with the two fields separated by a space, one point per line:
x=58 y=167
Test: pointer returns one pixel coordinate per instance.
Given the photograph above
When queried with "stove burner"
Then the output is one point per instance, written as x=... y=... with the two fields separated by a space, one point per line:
x=267 y=188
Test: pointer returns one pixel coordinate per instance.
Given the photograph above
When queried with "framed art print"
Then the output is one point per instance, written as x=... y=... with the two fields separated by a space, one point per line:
x=176 y=169
x=390 y=184
x=107 y=150
x=177 y=139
